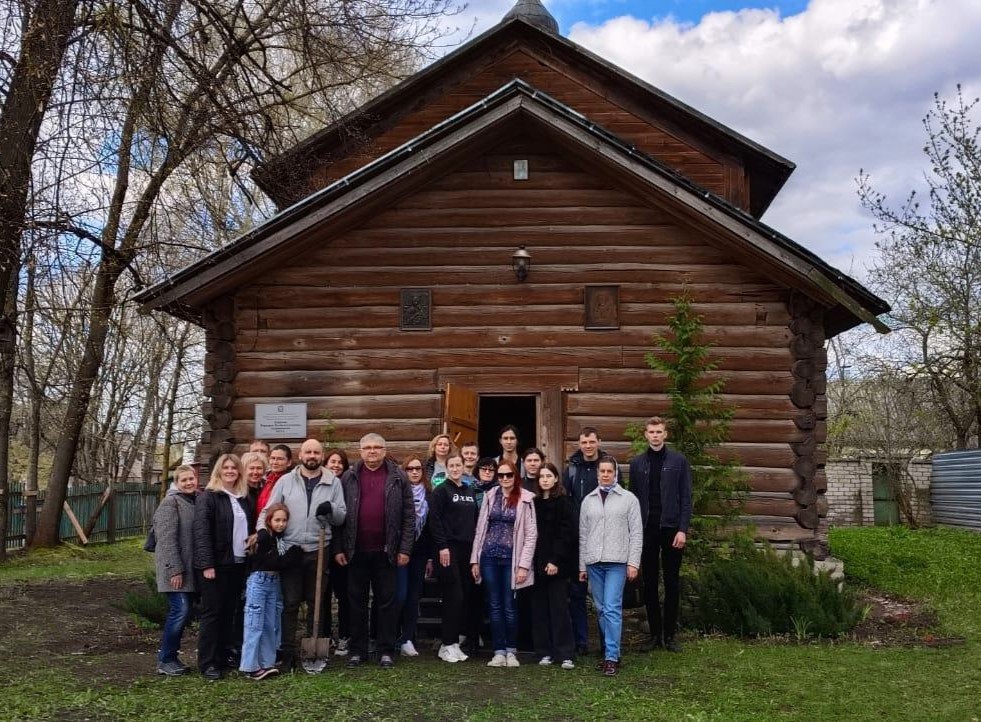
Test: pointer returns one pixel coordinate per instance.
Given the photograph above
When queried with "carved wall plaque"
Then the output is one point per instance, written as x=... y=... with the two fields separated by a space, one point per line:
x=416 y=313
x=602 y=307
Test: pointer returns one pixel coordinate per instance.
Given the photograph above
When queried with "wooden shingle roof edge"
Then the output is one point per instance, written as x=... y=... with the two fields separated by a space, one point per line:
x=768 y=171
x=851 y=302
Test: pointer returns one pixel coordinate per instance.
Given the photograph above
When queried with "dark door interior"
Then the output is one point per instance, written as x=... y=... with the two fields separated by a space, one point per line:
x=499 y=411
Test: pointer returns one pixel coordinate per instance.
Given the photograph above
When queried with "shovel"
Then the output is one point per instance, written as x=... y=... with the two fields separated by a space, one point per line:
x=315 y=650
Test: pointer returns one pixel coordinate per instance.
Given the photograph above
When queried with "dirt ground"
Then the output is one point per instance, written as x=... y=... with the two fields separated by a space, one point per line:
x=61 y=619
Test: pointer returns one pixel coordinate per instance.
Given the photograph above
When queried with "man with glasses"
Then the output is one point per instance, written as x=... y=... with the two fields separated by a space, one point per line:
x=375 y=540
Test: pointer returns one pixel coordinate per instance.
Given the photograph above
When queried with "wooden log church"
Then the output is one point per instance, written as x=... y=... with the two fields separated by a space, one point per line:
x=496 y=240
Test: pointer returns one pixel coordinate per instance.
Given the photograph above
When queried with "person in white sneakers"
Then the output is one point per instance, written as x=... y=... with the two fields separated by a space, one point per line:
x=452 y=521
x=503 y=557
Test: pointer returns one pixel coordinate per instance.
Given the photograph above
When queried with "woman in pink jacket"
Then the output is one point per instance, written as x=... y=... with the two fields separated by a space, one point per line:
x=503 y=558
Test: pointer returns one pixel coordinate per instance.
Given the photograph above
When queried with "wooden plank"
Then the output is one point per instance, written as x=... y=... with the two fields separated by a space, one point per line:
x=532 y=314
x=417 y=359
x=584 y=235
x=497 y=218
x=355 y=382
x=646 y=381
x=518 y=379
x=740 y=430
x=500 y=273
x=460 y=413
x=771 y=337
x=552 y=413
x=78 y=527
x=354 y=429
x=262 y=296
x=405 y=406
x=745 y=406
x=728 y=359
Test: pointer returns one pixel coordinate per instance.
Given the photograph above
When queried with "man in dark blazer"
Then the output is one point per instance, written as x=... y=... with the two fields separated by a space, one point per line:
x=661 y=479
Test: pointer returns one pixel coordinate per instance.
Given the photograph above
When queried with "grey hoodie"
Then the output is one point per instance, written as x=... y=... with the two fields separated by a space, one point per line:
x=303 y=529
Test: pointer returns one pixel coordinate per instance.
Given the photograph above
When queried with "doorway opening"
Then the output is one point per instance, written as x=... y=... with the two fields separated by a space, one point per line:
x=499 y=411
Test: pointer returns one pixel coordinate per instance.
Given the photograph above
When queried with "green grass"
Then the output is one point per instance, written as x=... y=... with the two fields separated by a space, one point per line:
x=714 y=679
x=942 y=566
x=70 y=561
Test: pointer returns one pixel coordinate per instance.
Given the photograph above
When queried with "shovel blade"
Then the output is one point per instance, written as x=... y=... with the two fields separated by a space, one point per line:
x=314 y=648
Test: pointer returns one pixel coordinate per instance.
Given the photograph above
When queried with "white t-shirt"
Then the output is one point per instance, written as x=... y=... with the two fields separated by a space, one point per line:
x=240 y=529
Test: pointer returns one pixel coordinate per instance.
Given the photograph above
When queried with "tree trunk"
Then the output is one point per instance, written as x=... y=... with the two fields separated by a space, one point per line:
x=46 y=37
x=172 y=390
x=103 y=300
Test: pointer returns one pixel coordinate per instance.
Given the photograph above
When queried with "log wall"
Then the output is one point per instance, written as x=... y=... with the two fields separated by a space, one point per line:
x=325 y=329
x=601 y=102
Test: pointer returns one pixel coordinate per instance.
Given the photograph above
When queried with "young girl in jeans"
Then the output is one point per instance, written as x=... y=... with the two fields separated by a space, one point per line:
x=263 y=595
x=502 y=557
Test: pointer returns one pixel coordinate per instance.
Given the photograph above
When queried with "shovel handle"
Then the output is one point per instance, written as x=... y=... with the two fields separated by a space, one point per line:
x=318 y=587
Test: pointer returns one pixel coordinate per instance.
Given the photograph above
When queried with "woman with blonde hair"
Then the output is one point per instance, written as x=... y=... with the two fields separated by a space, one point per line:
x=440 y=449
x=224 y=518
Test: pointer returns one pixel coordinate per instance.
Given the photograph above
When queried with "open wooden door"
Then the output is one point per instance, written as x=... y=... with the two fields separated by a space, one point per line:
x=460 y=413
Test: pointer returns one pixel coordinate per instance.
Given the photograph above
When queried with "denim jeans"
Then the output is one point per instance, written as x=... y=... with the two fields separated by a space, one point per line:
x=606 y=581
x=178 y=614
x=501 y=607
x=414 y=574
x=263 y=612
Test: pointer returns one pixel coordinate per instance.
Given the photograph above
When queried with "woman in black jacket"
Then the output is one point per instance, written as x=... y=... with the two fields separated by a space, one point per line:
x=555 y=564
x=224 y=518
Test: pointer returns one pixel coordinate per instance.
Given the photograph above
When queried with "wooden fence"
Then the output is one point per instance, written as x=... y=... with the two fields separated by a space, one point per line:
x=128 y=512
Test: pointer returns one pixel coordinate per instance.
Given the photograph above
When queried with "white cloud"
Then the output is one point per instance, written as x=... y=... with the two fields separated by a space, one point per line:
x=839 y=87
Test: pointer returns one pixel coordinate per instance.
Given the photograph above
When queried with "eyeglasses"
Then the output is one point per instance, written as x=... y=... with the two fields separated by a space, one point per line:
x=487 y=468
x=413 y=468
x=372 y=448
x=506 y=475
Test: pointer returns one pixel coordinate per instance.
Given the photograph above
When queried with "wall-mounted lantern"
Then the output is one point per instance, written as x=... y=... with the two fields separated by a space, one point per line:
x=521 y=263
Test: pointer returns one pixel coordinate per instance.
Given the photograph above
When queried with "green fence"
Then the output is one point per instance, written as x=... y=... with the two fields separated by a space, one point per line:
x=128 y=512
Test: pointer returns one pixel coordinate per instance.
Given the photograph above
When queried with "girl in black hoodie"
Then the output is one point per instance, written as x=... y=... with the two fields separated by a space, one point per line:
x=555 y=564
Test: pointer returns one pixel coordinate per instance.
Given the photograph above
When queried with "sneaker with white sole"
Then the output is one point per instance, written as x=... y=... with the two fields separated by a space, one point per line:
x=460 y=656
x=409 y=649
x=512 y=660
x=568 y=664
x=342 y=646
x=446 y=654
x=545 y=661
x=499 y=660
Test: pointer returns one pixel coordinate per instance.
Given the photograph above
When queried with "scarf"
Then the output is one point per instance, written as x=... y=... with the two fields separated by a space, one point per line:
x=422 y=507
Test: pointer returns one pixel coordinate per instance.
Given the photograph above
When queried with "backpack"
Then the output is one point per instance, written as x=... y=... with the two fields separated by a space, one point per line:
x=150 y=545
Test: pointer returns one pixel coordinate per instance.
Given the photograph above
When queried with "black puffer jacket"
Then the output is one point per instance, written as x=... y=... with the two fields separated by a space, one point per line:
x=557 y=538
x=213 y=525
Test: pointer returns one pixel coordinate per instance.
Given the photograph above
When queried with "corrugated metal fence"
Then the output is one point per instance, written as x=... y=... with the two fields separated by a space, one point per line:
x=955 y=488
x=131 y=507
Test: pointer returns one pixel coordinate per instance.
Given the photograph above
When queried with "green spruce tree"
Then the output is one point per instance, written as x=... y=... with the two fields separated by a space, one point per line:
x=698 y=421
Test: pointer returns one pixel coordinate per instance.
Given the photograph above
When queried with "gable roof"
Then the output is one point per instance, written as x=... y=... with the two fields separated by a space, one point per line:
x=766 y=170
x=349 y=199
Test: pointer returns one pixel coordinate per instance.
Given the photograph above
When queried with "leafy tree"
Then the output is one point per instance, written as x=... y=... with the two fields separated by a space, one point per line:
x=929 y=265
x=698 y=421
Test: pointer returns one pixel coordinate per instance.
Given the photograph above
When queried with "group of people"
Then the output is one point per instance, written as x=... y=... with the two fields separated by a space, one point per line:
x=512 y=530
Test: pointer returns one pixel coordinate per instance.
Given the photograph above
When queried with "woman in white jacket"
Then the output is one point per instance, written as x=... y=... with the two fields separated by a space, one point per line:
x=611 y=538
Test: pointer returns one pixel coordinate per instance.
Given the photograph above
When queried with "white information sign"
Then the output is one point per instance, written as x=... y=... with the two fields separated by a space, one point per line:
x=280 y=421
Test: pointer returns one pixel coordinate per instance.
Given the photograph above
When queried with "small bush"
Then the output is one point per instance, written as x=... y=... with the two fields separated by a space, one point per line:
x=149 y=608
x=757 y=592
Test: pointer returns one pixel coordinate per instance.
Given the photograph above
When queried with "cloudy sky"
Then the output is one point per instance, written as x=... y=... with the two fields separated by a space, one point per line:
x=833 y=85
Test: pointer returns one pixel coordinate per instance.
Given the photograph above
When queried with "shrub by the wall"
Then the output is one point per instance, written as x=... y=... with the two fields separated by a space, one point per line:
x=757 y=592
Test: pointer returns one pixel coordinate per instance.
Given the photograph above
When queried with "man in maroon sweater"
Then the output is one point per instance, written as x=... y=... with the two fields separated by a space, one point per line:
x=375 y=540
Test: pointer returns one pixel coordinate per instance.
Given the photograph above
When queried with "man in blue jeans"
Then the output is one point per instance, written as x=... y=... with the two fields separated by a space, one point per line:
x=580 y=479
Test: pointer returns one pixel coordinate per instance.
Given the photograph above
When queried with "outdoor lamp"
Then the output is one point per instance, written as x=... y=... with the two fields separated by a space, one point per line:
x=521 y=263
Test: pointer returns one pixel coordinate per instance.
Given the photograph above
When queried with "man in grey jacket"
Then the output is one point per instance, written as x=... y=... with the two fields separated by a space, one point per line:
x=315 y=499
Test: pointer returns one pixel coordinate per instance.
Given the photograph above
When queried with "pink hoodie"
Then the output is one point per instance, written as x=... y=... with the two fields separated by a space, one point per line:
x=525 y=535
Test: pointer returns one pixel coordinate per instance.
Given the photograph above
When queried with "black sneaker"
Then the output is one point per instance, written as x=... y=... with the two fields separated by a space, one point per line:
x=672 y=645
x=171 y=669
x=386 y=661
x=212 y=674
x=262 y=673
x=354 y=660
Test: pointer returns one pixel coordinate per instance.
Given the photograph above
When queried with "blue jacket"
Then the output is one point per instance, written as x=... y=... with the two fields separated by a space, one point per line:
x=675 y=489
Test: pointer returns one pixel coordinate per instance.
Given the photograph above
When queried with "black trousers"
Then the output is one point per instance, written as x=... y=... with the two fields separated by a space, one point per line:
x=552 y=626
x=219 y=599
x=659 y=555
x=372 y=573
x=300 y=585
x=337 y=588
x=456 y=587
